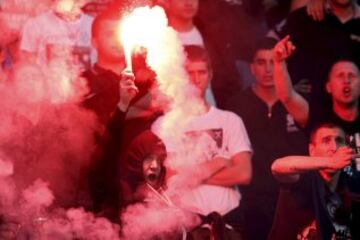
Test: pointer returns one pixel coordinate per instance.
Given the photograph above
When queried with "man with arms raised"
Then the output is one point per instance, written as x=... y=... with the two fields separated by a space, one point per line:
x=273 y=134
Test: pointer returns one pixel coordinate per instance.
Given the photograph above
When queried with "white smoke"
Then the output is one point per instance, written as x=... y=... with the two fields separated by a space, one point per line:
x=46 y=141
x=14 y=13
x=145 y=221
x=147 y=27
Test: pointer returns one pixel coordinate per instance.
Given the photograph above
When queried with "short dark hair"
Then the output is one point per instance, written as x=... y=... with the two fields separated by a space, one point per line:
x=265 y=43
x=343 y=59
x=321 y=125
x=196 y=53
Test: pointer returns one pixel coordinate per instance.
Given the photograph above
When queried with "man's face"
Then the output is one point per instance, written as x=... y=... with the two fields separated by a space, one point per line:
x=183 y=9
x=107 y=42
x=326 y=141
x=69 y=9
x=199 y=74
x=262 y=68
x=152 y=167
x=344 y=83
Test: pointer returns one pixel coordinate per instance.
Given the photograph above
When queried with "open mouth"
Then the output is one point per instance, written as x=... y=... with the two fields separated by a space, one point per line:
x=151 y=177
x=346 y=91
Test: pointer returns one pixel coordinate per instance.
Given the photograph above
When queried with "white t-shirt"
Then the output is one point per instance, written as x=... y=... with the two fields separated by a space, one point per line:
x=47 y=33
x=192 y=37
x=225 y=136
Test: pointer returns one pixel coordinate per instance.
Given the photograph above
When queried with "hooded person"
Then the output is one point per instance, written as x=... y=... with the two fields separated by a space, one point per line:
x=145 y=170
x=144 y=183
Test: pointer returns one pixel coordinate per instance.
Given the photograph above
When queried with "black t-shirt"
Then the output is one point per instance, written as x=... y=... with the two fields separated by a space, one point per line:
x=295 y=209
x=273 y=134
x=308 y=209
x=103 y=95
x=102 y=99
x=325 y=114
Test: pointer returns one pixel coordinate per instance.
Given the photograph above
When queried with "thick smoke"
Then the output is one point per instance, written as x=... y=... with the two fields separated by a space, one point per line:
x=147 y=27
x=46 y=139
x=14 y=13
x=44 y=135
x=78 y=224
x=146 y=221
x=46 y=143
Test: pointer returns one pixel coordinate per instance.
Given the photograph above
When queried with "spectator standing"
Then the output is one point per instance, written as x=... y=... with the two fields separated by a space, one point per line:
x=225 y=161
x=273 y=133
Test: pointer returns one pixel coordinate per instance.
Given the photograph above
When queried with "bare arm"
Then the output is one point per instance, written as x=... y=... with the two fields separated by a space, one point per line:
x=294 y=103
x=288 y=169
x=239 y=172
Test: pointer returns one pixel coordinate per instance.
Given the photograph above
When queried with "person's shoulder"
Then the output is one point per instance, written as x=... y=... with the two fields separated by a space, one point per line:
x=299 y=17
x=38 y=20
x=226 y=114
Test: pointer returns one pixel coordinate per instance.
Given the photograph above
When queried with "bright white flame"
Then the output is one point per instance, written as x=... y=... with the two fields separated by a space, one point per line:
x=144 y=27
x=148 y=28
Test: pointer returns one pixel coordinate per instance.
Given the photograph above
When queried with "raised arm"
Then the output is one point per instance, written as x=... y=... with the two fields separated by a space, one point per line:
x=295 y=104
x=288 y=169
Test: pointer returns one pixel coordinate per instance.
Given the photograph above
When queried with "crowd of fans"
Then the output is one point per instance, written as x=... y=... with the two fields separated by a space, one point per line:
x=273 y=148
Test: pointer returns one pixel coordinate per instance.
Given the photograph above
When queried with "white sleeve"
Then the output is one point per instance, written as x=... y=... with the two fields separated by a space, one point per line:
x=237 y=137
x=30 y=36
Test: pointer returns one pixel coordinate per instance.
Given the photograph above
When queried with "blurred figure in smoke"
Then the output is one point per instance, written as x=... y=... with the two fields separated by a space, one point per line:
x=214 y=156
x=114 y=94
x=64 y=27
x=37 y=137
x=145 y=187
x=105 y=83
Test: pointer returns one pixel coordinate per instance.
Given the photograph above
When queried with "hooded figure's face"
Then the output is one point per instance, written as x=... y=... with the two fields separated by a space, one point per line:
x=145 y=161
x=153 y=170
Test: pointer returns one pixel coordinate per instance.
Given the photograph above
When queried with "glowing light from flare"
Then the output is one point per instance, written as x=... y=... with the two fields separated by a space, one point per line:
x=143 y=27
